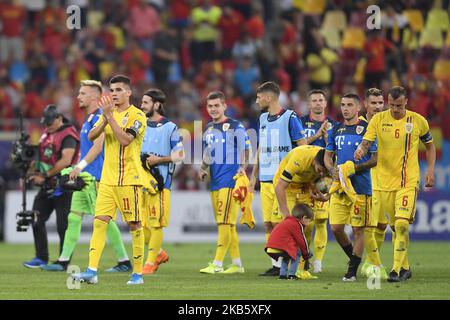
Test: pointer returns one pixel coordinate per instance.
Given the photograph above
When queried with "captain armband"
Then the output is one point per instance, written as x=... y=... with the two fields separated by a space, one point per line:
x=286 y=176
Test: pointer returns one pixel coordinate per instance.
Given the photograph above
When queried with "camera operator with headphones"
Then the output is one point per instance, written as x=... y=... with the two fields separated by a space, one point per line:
x=58 y=148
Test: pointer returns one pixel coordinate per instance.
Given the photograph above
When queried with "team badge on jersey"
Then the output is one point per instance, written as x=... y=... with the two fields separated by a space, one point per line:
x=124 y=121
x=330 y=125
x=359 y=129
x=225 y=126
x=408 y=127
x=137 y=125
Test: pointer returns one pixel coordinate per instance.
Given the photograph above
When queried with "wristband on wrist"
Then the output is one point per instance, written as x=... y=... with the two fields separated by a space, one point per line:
x=83 y=164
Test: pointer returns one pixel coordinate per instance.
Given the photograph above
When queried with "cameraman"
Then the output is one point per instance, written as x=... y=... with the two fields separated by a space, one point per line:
x=58 y=148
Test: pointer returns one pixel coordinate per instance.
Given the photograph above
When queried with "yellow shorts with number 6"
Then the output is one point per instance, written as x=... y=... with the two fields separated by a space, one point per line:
x=358 y=214
x=128 y=199
x=156 y=209
x=395 y=204
x=224 y=206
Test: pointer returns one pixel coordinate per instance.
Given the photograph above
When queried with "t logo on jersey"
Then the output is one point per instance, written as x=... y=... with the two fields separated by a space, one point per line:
x=310 y=132
x=339 y=141
x=209 y=139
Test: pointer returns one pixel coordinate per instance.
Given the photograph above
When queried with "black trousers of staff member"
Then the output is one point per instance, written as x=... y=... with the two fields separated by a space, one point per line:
x=45 y=205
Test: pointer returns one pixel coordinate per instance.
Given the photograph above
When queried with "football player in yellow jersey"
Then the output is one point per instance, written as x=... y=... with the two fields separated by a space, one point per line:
x=374 y=103
x=122 y=176
x=294 y=181
x=397 y=177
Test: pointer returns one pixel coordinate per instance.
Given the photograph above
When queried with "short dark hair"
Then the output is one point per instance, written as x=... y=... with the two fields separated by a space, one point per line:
x=373 y=92
x=216 y=95
x=317 y=91
x=320 y=157
x=120 y=79
x=397 y=91
x=159 y=96
x=269 y=86
x=301 y=210
x=353 y=96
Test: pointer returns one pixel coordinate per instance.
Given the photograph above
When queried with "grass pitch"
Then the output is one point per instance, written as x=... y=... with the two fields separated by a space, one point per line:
x=179 y=279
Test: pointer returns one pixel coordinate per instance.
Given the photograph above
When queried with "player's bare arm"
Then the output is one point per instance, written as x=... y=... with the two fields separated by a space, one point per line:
x=362 y=149
x=98 y=130
x=372 y=162
x=245 y=159
x=329 y=164
x=65 y=161
x=280 y=192
x=204 y=168
x=124 y=138
x=431 y=159
x=175 y=157
x=92 y=154
x=301 y=142
x=255 y=173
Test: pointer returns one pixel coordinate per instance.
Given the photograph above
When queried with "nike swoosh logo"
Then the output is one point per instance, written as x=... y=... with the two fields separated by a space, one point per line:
x=92 y=249
x=137 y=257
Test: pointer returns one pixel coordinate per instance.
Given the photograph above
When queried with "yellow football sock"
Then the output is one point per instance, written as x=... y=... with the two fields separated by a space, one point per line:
x=234 y=243
x=370 y=244
x=320 y=239
x=401 y=243
x=147 y=236
x=267 y=235
x=97 y=243
x=154 y=245
x=137 y=238
x=379 y=237
x=223 y=241
x=308 y=232
x=405 y=264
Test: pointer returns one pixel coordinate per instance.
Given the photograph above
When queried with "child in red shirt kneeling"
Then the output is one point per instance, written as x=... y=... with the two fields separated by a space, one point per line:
x=287 y=240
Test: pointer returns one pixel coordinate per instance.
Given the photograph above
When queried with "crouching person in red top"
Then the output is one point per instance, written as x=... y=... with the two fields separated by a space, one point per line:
x=288 y=241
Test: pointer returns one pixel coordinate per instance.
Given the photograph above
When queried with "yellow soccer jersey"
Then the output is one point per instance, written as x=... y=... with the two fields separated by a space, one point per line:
x=398 y=147
x=297 y=167
x=122 y=165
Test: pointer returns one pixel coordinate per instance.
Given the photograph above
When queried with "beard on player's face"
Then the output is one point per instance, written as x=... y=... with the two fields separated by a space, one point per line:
x=151 y=112
x=264 y=109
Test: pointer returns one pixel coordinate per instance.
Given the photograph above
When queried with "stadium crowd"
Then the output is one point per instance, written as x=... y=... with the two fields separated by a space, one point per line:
x=192 y=47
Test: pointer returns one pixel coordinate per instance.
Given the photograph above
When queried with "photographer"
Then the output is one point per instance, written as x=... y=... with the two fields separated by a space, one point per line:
x=58 y=148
